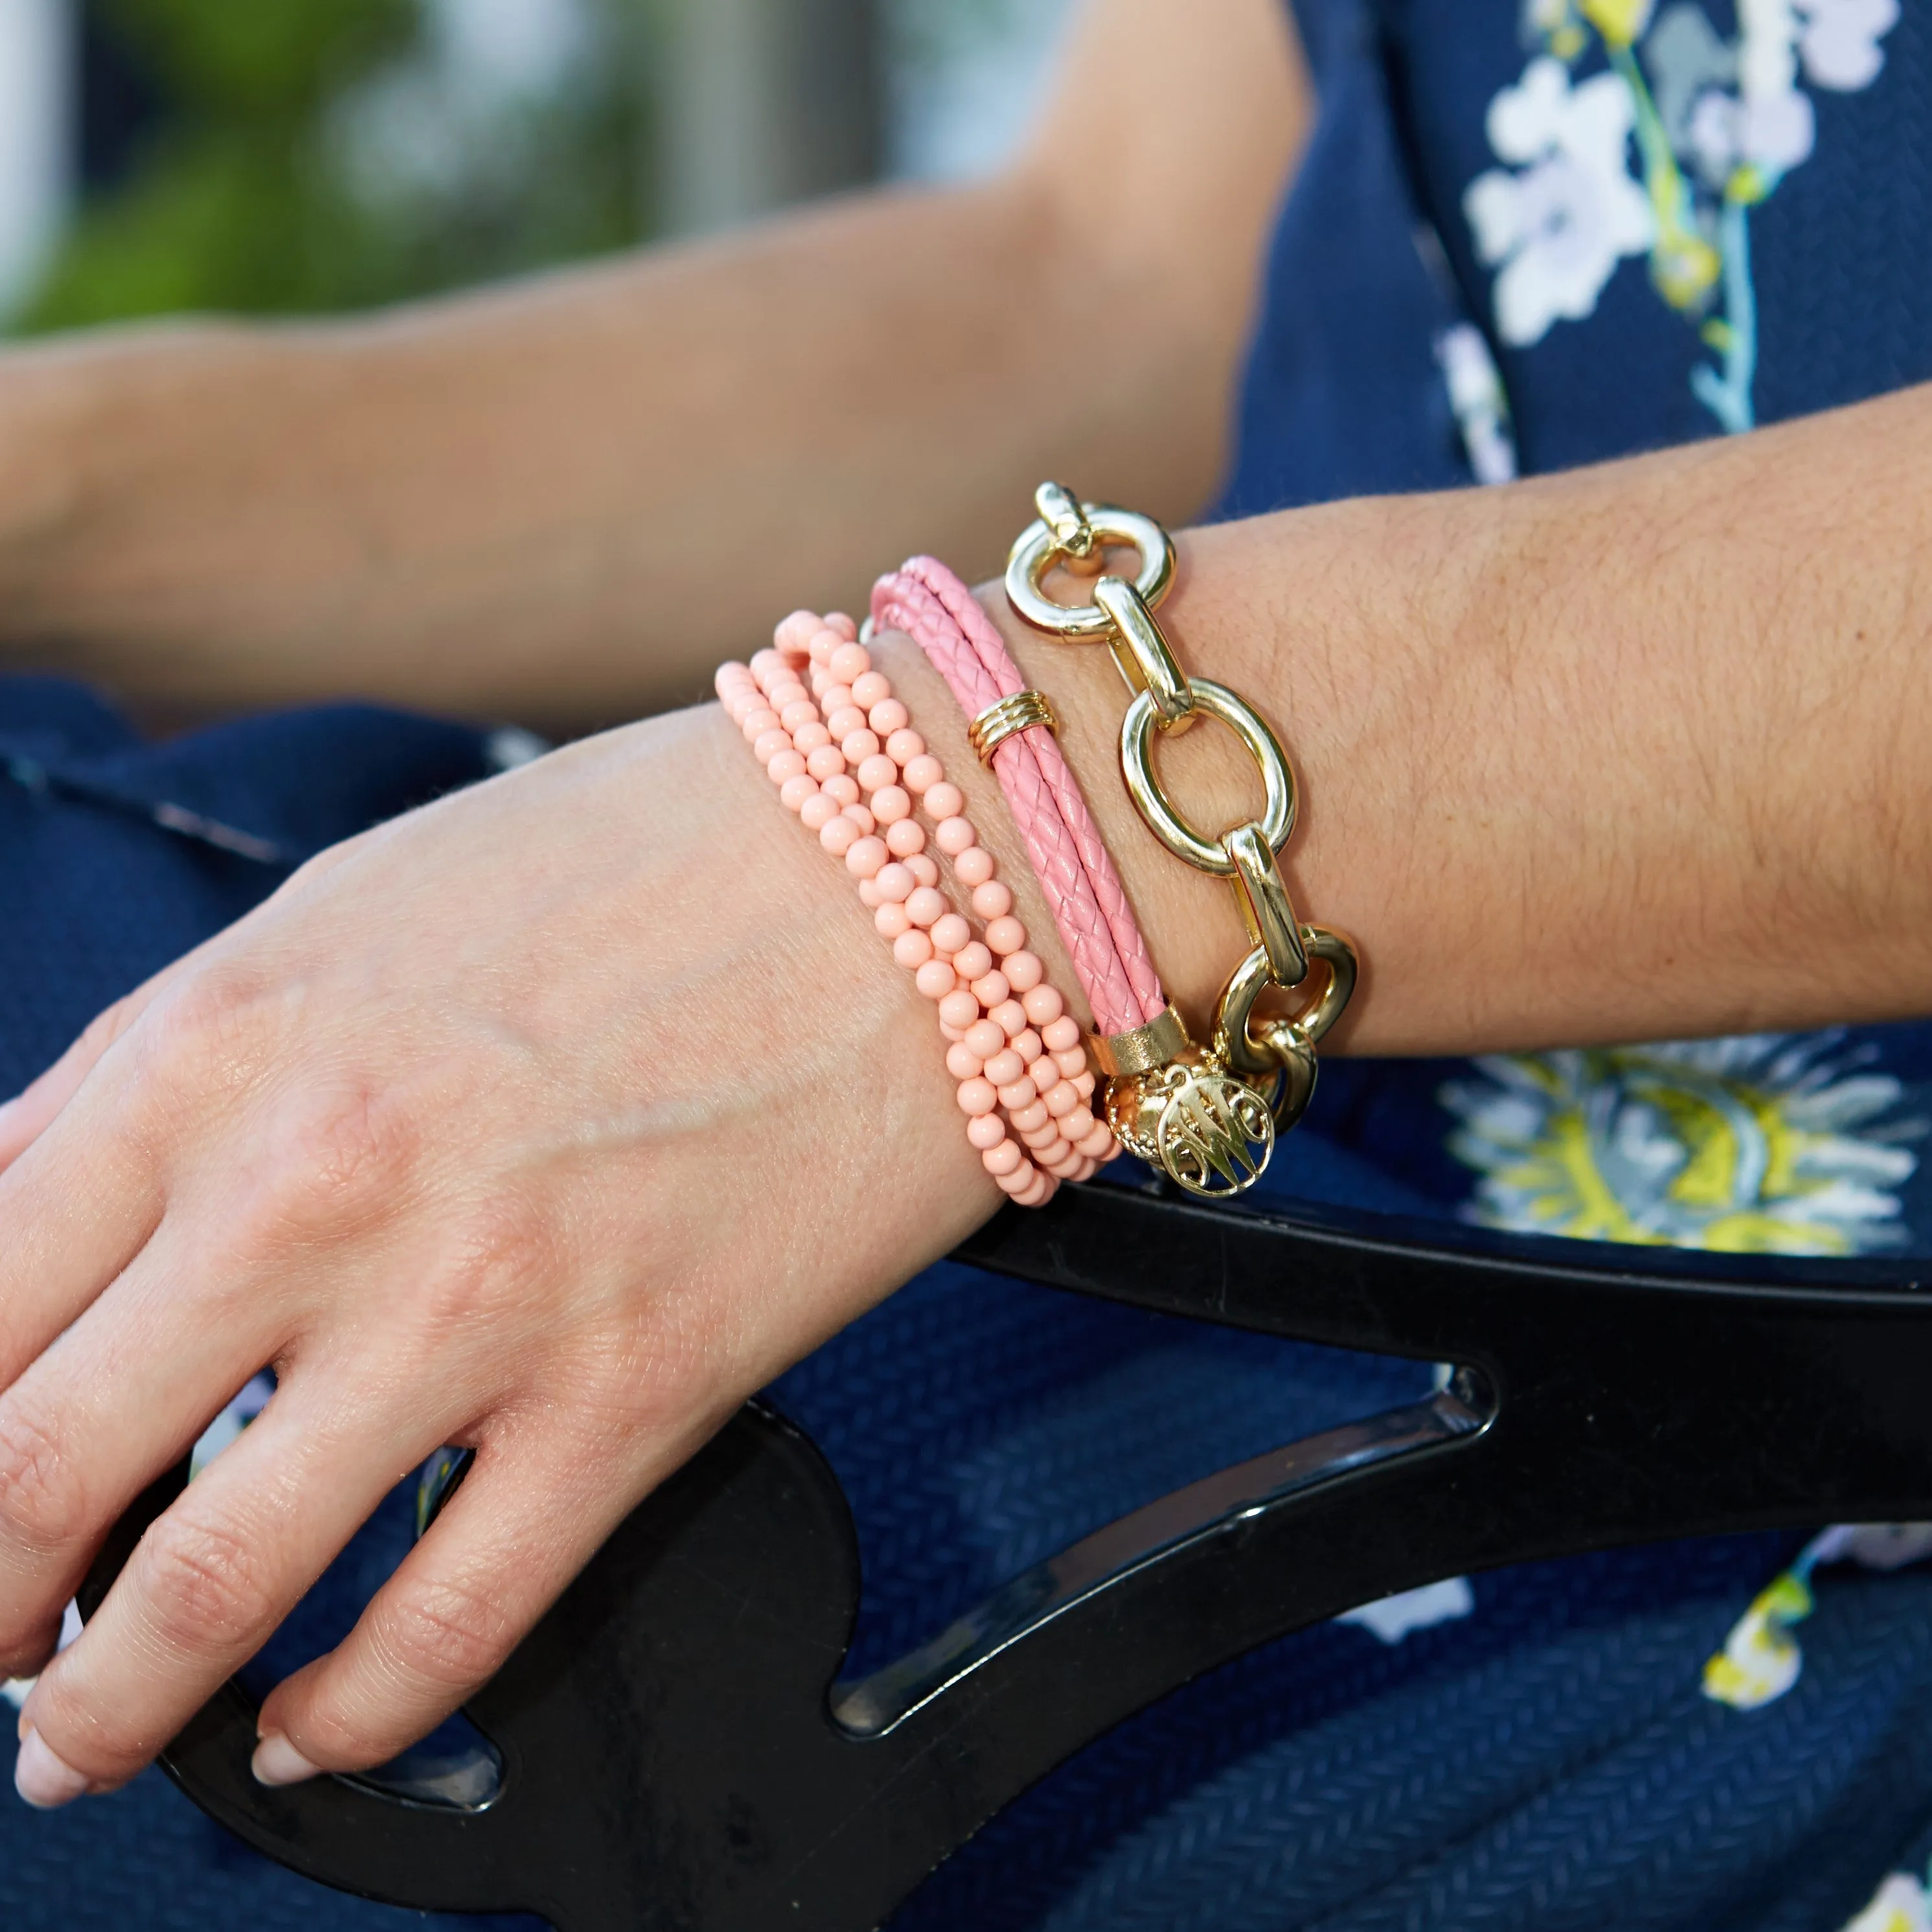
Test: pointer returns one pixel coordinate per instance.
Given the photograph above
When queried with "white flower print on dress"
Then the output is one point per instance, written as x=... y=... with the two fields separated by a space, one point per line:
x=1560 y=222
x=1900 y=1905
x=1717 y=125
x=1840 y=44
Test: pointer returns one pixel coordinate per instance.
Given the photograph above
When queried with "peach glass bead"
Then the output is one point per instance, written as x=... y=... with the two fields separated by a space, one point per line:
x=985 y=1130
x=1071 y=1060
x=1020 y=1093
x=861 y=817
x=973 y=866
x=868 y=894
x=903 y=745
x=818 y=812
x=1062 y=1098
x=825 y=761
x=866 y=858
x=1005 y=935
x=994 y=993
x=911 y=949
x=921 y=772
x=976 y=1096
x=1047 y=1134
x=788 y=764
x=876 y=772
x=796 y=792
x=766 y=664
x=1024 y=972
x=1027 y=1045
x=1060 y=1034
x=950 y=933
x=758 y=722
x=840 y=625
x=907 y=838
x=1009 y=1016
x=974 y=964
x=859 y=745
x=1075 y=1126
x=1003 y=1158
x=962 y=1062
x=813 y=737
x=952 y=835
x=843 y=787
x=1004 y=1068
x=889 y=921
x=959 y=1008
x=1019 y=1184
x=925 y=908
x=889 y=802
x=985 y=1038
x=849 y=661
x=897 y=884
x=935 y=979
x=842 y=720
x=921 y=867
x=1034 y=1119
x=886 y=717
x=951 y=1035
x=870 y=687
x=798 y=713
x=1083 y=1083
x=1099 y=1143
x=796 y=632
x=993 y=900
x=1045 y=1008
x=770 y=743
x=945 y=800
x=839 y=835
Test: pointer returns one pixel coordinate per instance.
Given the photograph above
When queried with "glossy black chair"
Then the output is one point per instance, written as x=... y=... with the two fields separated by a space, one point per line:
x=674 y=1746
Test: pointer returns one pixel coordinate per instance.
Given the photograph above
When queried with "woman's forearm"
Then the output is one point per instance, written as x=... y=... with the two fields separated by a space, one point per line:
x=564 y=502
x=1633 y=752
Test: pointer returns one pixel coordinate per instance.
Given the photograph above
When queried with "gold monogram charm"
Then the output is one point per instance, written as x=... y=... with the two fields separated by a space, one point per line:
x=1206 y=1128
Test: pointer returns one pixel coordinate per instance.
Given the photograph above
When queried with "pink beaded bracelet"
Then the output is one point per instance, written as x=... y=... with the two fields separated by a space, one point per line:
x=941 y=615
x=852 y=772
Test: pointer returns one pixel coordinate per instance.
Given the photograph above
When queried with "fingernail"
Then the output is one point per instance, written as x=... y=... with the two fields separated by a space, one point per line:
x=278 y=1762
x=42 y=1779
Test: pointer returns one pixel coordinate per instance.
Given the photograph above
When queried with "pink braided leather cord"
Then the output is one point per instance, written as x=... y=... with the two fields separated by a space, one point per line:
x=931 y=605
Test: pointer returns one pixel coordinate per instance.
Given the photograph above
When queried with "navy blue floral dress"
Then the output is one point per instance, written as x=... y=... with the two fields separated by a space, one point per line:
x=1524 y=236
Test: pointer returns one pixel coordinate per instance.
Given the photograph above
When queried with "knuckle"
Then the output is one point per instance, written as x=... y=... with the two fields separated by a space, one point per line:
x=203 y=1585
x=445 y=1634
x=43 y=1502
x=196 y=1037
x=499 y=1254
x=336 y=1159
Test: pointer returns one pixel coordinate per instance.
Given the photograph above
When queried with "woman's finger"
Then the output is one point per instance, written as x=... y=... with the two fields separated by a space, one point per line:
x=216 y=1573
x=501 y=1553
x=119 y=1397
x=23 y=1119
x=76 y=1208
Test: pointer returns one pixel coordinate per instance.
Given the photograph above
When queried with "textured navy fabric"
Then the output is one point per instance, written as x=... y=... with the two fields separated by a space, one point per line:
x=1546 y=1761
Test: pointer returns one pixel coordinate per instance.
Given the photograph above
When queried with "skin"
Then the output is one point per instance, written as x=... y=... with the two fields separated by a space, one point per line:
x=443 y=1130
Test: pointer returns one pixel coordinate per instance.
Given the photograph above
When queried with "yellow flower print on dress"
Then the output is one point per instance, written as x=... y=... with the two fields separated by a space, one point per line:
x=1765 y=1144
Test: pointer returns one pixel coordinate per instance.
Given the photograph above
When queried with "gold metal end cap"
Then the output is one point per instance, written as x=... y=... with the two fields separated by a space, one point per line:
x=1120 y=1056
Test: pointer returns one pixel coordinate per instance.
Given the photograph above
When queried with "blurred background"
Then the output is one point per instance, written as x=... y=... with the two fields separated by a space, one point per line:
x=266 y=157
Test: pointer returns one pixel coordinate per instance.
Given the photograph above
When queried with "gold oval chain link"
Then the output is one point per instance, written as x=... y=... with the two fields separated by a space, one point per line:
x=1279 y=1051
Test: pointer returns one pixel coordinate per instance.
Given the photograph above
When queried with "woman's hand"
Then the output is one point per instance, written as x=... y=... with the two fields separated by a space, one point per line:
x=552 y=1120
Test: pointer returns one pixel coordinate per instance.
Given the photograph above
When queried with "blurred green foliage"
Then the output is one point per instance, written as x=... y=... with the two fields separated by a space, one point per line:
x=310 y=158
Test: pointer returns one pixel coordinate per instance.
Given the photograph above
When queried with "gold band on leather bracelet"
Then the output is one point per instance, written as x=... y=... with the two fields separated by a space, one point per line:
x=1006 y=718
x=1196 y=1112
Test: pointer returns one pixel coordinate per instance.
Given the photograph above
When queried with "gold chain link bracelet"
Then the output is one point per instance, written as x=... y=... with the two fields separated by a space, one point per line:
x=1208 y=1115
